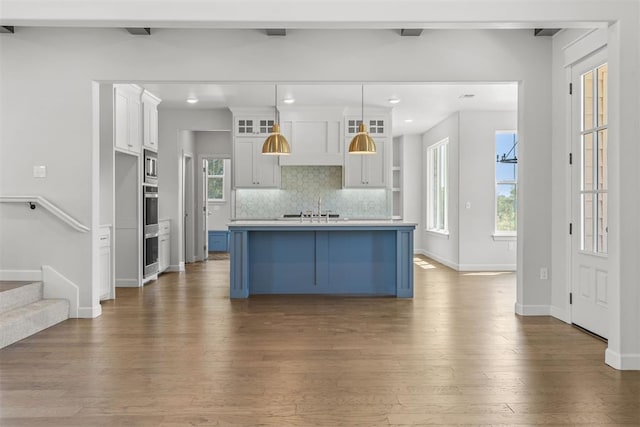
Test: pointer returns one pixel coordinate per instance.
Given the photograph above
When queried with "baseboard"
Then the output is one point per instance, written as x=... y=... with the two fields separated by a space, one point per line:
x=532 y=310
x=487 y=267
x=21 y=275
x=176 y=268
x=437 y=258
x=127 y=283
x=89 y=312
x=560 y=314
x=623 y=362
x=55 y=285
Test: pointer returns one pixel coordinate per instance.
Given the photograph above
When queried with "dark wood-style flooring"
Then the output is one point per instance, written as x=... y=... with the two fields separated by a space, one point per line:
x=178 y=352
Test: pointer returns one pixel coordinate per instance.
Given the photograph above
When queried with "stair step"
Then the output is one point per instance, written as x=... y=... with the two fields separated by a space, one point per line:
x=19 y=296
x=29 y=319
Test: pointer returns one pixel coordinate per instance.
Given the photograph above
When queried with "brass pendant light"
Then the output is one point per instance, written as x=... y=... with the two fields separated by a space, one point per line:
x=276 y=144
x=362 y=143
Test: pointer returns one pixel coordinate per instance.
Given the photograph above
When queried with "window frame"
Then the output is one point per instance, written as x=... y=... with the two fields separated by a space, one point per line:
x=438 y=223
x=223 y=199
x=497 y=234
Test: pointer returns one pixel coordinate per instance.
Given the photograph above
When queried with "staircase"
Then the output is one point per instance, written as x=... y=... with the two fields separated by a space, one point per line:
x=23 y=312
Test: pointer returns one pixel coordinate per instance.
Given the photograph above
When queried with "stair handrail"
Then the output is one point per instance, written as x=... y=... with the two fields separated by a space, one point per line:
x=56 y=211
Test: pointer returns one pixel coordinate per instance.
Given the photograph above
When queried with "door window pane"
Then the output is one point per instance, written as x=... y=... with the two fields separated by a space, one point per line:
x=602 y=95
x=603 y=243
x=587 y=100
x=587 y=162
x=587 y=223
x=602 y=160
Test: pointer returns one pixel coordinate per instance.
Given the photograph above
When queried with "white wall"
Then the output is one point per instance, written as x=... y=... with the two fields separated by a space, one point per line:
x=412 y=185
x=477 y=248
x=443 y=248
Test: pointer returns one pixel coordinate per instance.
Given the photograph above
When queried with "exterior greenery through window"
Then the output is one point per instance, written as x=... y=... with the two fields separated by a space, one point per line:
x=215 y=179
x=438 y=187
x=506 y=183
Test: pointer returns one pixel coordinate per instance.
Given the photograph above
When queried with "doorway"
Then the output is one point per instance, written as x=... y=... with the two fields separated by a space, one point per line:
x=216 y=201
x=188 y=202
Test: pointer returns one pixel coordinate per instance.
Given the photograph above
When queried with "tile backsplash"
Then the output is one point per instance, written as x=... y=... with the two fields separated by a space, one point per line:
x=301 y=186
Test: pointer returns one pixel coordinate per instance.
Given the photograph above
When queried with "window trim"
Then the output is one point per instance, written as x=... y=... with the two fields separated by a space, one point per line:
x=430 y=227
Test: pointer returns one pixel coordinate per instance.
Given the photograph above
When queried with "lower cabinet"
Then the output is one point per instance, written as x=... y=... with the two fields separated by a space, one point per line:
x=218 y=241
x=104 y=249
x=164 y=246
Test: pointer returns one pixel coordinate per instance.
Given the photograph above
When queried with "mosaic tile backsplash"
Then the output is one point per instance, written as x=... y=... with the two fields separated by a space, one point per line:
x=299 y=191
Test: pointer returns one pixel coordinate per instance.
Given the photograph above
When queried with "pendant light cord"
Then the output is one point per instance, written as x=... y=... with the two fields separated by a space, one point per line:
x=362 y=100
x=276 y=107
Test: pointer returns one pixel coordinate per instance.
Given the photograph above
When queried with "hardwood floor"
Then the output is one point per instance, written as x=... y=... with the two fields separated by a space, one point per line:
x=178 y=352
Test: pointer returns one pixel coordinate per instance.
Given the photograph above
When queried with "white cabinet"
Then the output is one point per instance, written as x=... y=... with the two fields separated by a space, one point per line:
x=164 y=245
x=246 y=125
x=315 y=136
x=368 y=170
x=104 y=251
x=128 y=114
x=150 y=120
x=377 y=126
x=251 y=168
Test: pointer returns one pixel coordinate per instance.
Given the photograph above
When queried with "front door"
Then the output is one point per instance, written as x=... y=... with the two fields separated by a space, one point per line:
x=589 y=269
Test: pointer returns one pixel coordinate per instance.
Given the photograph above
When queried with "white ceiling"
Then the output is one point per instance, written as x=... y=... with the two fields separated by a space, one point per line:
x=426 y=104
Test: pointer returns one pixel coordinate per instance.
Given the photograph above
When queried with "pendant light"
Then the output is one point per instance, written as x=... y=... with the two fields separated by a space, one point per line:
x=362 y=143
x=276 y=144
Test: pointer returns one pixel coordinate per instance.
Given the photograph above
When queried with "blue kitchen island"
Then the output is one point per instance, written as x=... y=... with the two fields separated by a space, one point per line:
x=367 y=258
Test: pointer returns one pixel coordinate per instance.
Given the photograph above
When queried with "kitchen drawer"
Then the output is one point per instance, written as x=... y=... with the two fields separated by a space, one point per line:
x=164 y=227
x=218 y=241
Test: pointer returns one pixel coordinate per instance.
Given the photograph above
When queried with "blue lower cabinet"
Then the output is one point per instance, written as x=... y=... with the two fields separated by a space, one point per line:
x=218 y=241
x=308 y=259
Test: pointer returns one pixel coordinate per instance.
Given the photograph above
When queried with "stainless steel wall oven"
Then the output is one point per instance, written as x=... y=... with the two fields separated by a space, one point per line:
x=151 y=228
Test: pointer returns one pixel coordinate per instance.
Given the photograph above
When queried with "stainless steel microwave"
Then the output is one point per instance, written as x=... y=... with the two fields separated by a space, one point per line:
x=150 y=167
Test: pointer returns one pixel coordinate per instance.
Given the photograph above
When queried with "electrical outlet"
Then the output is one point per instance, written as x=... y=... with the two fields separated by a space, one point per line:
x=544 y=273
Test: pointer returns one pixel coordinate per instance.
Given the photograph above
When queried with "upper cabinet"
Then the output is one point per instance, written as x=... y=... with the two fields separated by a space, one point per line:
x=247 y=125
x=314 y=135
x=128 y=118
x=251 y=168
x=369 y=170
x=150 y=120
x=377 y=126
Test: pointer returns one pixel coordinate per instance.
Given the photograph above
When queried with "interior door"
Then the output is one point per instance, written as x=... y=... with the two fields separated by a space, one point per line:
x=590 y=272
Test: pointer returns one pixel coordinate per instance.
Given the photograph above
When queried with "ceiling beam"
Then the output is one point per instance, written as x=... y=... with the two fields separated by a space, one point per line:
x=545 y=31
x=276 y=31
x=139 y=31
x=411 y=32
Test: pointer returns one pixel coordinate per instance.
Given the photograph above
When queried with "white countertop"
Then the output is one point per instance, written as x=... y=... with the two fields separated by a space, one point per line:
x=295 y=222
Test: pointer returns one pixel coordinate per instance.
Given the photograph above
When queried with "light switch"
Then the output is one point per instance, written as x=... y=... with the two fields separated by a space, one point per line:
x=467 y=205
x=39 y=171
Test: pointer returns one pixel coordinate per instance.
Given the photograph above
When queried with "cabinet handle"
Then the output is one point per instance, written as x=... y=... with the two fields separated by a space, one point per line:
x=103 y=238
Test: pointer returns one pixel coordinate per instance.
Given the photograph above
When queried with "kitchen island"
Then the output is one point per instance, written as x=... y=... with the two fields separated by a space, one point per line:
x=367 y=258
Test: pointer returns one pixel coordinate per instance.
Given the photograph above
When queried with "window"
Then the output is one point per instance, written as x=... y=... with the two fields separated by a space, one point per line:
x=506 y=182
x=438 y=187
x=215 y=180
x=593 y=148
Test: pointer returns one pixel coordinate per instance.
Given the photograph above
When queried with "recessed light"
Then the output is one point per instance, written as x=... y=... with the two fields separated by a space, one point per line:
x=466 y=95
x=288 y=100
x=192 y=100
x=408 y=120
x=394 y=100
